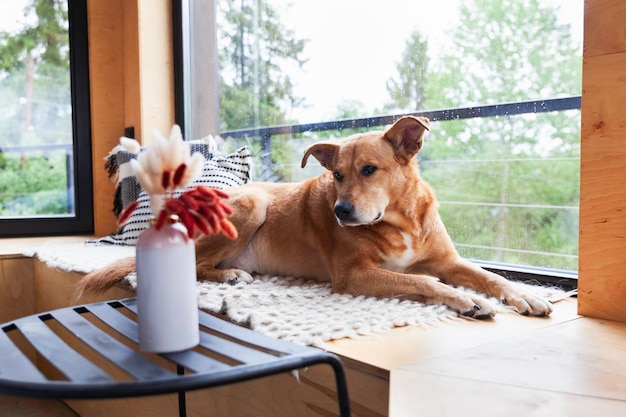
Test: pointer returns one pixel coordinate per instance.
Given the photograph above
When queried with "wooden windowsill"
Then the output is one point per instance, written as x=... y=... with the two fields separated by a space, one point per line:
x=411 y=344
x=14 y=247
x=572 y=368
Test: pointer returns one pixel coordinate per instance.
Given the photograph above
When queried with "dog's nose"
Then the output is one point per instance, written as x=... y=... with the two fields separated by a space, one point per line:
x=344 y=210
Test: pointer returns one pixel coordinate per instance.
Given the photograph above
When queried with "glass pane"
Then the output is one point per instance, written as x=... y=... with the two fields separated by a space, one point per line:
x=509 y=193
x=508 y=184
x=36 y=158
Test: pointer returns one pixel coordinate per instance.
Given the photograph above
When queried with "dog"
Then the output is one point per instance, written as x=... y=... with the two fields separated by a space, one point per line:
x=369 y=225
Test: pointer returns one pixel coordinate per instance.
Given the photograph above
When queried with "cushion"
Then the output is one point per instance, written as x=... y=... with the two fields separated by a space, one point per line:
x=219 y=171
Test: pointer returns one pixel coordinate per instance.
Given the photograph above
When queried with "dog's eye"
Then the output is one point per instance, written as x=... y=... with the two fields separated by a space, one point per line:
x=368 y=170
x=338 y=176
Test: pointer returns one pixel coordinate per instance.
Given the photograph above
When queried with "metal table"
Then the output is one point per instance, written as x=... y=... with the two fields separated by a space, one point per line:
x=227 y=353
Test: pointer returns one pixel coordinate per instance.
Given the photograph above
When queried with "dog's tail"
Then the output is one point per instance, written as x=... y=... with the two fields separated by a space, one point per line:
x=102 y=279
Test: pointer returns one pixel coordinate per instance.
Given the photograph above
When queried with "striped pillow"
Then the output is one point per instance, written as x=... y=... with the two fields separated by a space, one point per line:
x=218 y=172
x=128 y=188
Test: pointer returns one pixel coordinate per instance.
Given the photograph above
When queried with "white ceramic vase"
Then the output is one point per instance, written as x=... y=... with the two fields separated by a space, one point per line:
x=166 y=289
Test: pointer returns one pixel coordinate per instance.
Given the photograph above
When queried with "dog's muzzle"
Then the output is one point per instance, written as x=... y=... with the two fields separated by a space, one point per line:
x=344 y=210
x=347 y=215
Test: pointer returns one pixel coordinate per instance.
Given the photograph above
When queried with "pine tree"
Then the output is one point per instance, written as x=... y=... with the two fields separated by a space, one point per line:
x=408 y=90
x=255 y=48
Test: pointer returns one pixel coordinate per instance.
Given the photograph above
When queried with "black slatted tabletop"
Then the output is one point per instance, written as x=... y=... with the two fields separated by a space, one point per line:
x=227 y=353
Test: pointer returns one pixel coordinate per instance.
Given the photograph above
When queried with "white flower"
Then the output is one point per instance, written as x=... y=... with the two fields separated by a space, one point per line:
x=131 y=145
x=194 y=169
x=165 y=165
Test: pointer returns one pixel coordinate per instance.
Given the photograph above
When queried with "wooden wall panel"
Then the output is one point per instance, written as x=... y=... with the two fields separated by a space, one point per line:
x=55 y=288
x=132 y=71
x=605 y=28
x=16 y=288
x=148 y=67
x=602 y=245
x=156 y=67
x=106 y=72
x=132 y=83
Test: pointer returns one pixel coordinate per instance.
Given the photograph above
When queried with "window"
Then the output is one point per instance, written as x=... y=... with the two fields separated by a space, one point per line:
x=45 y=150
x=501 y=82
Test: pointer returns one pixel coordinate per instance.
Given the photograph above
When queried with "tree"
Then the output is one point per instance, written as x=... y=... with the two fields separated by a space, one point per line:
x=35 y=73
x=408 y=90
x=255 y=48
x=490 y=172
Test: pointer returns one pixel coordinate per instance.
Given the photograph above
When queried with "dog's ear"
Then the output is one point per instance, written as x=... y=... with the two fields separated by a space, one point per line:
x=324 y=152
x=407 y=135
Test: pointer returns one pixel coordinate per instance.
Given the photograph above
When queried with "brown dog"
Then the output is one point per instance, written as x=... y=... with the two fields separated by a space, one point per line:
x=370 y=225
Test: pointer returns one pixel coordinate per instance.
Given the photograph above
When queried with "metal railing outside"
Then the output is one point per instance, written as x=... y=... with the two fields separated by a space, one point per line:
x=492 y=110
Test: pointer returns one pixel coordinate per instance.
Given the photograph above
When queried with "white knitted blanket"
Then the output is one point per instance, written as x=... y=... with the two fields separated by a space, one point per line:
x=294 y=309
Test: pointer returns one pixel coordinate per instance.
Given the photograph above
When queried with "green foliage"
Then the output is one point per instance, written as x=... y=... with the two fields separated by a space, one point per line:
x=35 y=89
x=45 y=40
x=33 y=186
x=509 y=183
x=255 y=48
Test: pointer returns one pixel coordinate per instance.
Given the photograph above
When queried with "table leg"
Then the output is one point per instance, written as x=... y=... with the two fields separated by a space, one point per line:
x=182 y=405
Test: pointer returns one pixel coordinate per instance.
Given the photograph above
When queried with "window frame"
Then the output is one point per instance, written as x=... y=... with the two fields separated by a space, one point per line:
x=82 y=220
x=194 y=37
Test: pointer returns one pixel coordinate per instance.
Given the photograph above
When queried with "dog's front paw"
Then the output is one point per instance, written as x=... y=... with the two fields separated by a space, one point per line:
x=227 y=276
x=478 y=308
x=527 y=304
x=235 y=276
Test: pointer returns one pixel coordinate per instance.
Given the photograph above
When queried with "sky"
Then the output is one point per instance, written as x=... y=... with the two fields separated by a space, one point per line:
x=12 y=14
x=354 y=45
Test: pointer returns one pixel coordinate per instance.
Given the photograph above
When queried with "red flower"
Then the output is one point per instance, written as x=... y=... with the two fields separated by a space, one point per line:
x=163 y=168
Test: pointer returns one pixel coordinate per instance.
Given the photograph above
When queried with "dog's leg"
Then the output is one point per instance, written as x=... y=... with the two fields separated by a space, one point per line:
x=249 y=213
x=466 y=274
x=382 y=283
